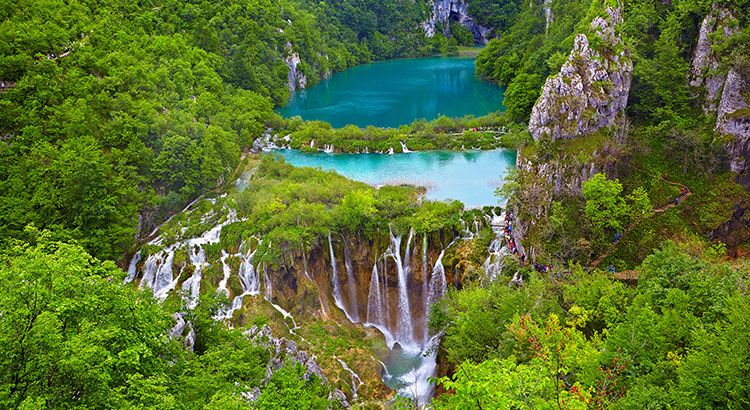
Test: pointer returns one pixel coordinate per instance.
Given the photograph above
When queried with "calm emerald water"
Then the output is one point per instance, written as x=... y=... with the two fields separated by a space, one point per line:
x=468 y=176
x=396 y=92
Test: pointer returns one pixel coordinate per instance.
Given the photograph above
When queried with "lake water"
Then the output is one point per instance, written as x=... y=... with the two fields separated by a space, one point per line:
x=468 y=176
x=396 y=92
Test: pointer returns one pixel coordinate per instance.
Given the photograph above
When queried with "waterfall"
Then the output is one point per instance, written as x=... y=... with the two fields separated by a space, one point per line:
x=403 y=148
x=226 y=270
x=375 y=302
x=193 y=283
x=249 y=276
x=149 y=269
x=157 y=273
x=328 y=148
x=132 y=268
x=390 y=151
x=356 y=380
x=335 y=280
x=405 y=330
x=494 y=263
x=377 y=307
x=438 y=284
x=353 y=305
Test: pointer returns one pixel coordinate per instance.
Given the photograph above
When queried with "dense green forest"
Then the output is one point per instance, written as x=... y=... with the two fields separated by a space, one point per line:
x=679 y=339
x=72 y=337
x=115 y=115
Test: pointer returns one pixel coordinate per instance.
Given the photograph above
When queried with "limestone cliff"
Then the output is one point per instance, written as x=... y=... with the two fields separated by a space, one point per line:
x=733 y=120
x=705 y=77
x=446 y=11
x=591 y=90
x=296 y=78
x=551 y=177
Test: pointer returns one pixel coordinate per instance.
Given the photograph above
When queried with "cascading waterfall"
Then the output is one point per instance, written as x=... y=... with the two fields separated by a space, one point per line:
x=193 y=283
x=335 y=279
x=249 y=276
x=353 y=305
x=438 y=283
x=132 y=268
x=375 y=302
x=405 y=330
x=403 y=148
x=157 y=273
x=497 y=250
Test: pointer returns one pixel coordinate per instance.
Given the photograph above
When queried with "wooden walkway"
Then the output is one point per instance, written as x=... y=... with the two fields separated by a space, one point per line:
x=662 y=209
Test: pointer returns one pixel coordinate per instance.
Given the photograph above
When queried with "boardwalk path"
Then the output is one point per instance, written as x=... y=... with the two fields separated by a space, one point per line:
x=662 y=209
x=630 y=275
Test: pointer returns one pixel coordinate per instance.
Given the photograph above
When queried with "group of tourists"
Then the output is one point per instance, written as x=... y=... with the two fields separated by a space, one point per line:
x=510 y=242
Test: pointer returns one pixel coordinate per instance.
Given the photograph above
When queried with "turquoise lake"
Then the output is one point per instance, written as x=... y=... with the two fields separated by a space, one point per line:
x=468 y=176
x=396 y=92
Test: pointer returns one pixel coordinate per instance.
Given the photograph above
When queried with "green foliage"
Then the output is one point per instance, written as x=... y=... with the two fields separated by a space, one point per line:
x=72 y=337
x=440 y=133
x=521 y=95
x=69 y=336
x=675 y=341
x=605 y=207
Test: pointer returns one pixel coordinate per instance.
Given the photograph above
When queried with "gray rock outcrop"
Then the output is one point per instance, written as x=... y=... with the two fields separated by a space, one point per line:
x=445 y=11
x=296 y=78
x=704 y=76
x=591 y=90
x=733 y=120
x=178 y=331
x=284 y=351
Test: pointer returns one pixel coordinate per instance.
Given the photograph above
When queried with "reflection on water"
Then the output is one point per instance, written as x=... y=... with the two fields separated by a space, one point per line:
x=469 y=176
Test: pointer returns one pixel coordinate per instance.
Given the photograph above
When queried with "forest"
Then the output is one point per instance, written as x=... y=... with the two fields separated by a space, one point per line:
x=115 y=116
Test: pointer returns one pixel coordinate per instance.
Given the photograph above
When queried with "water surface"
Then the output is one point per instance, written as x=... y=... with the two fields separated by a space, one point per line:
x=396 y=92
x=468 y=176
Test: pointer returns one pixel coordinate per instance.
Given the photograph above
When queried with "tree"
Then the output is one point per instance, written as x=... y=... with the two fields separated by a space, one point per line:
x=521 y=95
x=604 y=205
x=70 y=335
x=638 y=203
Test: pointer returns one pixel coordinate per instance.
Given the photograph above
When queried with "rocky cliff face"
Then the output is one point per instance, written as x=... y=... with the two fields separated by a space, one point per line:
x=704 y=77
x=445 y=11
x=296 y=78
x=733 y=120
x=723 y=92
x=591 y=90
